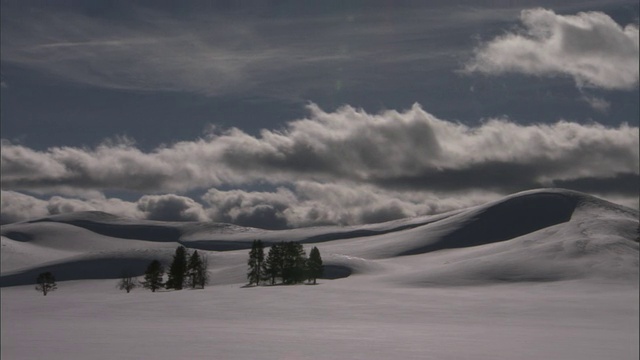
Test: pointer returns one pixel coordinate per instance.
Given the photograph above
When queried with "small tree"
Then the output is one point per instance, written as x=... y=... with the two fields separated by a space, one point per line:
x=127 y=282
x=256 y=260
x=46 y=282
x=177 y=269
x=197 y=270
x=314 y=265
x=153 y=276
x=203 y=276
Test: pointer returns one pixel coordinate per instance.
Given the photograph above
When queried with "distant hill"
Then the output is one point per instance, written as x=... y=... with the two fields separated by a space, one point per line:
x=538 y=235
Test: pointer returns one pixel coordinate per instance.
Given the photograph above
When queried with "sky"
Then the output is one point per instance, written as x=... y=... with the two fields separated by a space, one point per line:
x=284 y=114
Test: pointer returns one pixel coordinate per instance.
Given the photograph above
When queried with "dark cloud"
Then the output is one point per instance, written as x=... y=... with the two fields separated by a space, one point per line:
x=313 y=204
x=264 y=210
x=387 y=212
x=19 y=207
x=626 y=184
x=171 y=208
x=263 y=217
x=59 y=205
x=496 y=176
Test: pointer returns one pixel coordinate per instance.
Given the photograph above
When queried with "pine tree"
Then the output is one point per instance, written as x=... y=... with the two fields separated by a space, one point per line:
x=256 y=260
x=153 y=276
x=46 y=283
x=197 y=270
x=314 y=265
x=294 y=259
x=272 y=266
x=177 y=269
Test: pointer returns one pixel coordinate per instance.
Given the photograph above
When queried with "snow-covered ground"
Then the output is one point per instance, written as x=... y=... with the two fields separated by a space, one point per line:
x=547 y=274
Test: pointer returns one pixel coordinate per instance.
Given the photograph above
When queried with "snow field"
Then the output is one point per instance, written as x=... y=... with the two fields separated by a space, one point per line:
x=506 y=280
x=347 y=318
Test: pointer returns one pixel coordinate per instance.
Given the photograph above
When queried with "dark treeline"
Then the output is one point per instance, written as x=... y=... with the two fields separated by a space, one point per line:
x=185 y=270
x=286 y=261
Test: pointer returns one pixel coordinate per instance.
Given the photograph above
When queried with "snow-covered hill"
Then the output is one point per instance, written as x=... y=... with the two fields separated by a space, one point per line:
x=540 y=235
x=552 y=267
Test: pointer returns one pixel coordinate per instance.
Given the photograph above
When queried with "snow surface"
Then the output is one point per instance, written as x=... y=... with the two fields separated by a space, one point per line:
x=545 y=274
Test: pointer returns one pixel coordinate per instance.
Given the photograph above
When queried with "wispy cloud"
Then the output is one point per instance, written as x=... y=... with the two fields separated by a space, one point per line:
x=157 y=54
x=597 y=103
x=590 y=47
x=222 y=53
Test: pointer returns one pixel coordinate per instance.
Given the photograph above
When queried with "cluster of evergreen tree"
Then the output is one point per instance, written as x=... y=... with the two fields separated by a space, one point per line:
x=286 y=261
x=184 y=270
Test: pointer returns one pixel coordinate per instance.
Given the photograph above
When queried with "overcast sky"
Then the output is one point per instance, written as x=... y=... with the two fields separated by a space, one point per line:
x=283 y=114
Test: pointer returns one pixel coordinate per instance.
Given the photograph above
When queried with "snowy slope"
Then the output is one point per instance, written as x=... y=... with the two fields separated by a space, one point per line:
x=540 y=274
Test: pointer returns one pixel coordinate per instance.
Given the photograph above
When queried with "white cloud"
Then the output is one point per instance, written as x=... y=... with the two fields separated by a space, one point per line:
x=590 y=47
x=390 y=150
x=343 y=167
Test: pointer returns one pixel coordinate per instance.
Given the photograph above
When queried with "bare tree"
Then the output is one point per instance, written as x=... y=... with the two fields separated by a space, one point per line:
x=46 y=282
x=127 y=282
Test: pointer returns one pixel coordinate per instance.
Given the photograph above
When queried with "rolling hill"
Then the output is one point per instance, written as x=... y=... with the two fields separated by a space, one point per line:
x=540 y=235
x=544 y=274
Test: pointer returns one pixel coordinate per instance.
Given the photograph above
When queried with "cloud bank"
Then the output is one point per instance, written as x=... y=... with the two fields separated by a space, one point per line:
x=590 y=47
x=304 y=204
x=341 y=167
x=410 y=149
